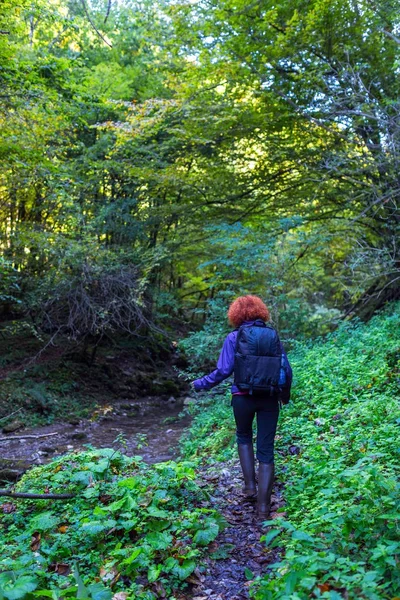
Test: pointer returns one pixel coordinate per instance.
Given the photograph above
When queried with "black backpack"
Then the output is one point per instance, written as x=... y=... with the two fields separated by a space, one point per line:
x=259 y=366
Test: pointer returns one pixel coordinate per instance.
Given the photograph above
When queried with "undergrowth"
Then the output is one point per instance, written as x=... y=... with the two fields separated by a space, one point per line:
x=339 y=458
x=131 y=527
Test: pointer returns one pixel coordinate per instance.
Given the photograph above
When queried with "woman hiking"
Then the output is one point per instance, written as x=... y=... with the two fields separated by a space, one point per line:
x=262 y=381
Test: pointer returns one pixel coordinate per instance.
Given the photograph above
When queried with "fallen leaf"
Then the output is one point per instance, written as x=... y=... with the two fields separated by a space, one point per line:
x=105 y=498
x=8 y=508
x=109 y=575
x=35 y=541
x=60 y=568
x=159 y=588
x=323 y=587
x=62 y=529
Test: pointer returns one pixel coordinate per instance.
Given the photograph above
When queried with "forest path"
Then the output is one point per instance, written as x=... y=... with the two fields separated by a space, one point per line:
x=149 y=426
x=237 y=556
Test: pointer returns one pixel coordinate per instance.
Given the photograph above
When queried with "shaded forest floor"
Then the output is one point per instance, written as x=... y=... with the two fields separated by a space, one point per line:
x=42 y=385
x=335 y=450
x=237 y=557
x=150 y=427
x=110 y=410
x=53 y=401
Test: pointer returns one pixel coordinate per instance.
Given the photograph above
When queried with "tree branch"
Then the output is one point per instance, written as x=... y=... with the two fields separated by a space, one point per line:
x=93 y=25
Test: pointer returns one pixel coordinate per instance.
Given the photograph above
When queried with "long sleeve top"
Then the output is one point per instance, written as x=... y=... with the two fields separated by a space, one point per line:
x=225 y=367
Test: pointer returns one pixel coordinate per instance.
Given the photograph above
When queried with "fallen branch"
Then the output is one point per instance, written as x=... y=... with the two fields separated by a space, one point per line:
x=31 y=437
x=36 y=496
x=12 y=414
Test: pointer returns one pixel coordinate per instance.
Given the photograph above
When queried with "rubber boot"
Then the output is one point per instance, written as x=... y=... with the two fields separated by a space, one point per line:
x=266 y=472
x=246 y=456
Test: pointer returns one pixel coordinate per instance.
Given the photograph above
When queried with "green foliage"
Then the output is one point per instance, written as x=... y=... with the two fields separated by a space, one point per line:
x=127 y=523
x=202 y=347
x=212 y=432
x=241 y=148
x=9 y=283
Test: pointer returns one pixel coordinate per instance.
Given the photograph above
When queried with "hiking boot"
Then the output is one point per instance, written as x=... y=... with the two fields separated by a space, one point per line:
x=246 y=456
x=266 y=473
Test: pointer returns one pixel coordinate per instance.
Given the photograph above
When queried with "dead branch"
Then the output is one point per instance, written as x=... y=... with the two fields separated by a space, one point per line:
x=36 y=496
x=96 y=301
x=24 y=437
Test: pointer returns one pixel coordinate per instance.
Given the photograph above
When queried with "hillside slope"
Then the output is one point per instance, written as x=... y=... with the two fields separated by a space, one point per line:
x=338 y=456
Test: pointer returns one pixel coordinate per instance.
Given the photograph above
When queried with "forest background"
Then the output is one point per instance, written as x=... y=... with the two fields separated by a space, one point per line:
x=159 y=155
x=158 y=159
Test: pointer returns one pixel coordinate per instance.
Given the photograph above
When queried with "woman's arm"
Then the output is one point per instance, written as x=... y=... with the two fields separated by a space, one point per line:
x=224 y=368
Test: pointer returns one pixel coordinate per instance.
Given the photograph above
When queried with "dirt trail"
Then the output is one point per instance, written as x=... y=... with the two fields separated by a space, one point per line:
x=242 y=556
x=150 y=427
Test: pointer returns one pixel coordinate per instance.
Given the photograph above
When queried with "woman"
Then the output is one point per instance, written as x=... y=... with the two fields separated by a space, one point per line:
x=255 y=392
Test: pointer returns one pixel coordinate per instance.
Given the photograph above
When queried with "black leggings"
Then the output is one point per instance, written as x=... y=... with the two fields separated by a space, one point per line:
x=267 y=411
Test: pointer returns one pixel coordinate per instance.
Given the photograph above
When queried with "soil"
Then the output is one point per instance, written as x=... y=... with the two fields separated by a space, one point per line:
x=242 y=557
x=150 y=427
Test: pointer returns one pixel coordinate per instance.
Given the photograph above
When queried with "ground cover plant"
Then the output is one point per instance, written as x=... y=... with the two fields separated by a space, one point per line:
x=340 y=462
x=130 y=527
x=338 y=455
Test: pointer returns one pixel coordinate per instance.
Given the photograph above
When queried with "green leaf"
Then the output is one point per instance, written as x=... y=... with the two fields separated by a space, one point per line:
x=43 y=522
x=116 y=505
x=271 y=535
x=157 y=512
x=84 y=477
x=302 y=535
x=82 y=592
x=130 y=482
x=153 y=573
x=159 y=541
x=18 y=588
x=95 y=527
x=207 y=535
x=133 y=556
x=98 y=591
x=185 y=569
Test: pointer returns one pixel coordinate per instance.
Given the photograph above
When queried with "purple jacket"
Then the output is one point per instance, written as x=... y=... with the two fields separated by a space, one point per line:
x=225 y=366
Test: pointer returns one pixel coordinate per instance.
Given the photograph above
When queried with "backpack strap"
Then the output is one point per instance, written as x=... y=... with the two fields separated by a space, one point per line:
x=238 y=329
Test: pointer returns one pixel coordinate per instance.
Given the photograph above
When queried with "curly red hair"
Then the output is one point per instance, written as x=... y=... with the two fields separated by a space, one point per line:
x=247 y=308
